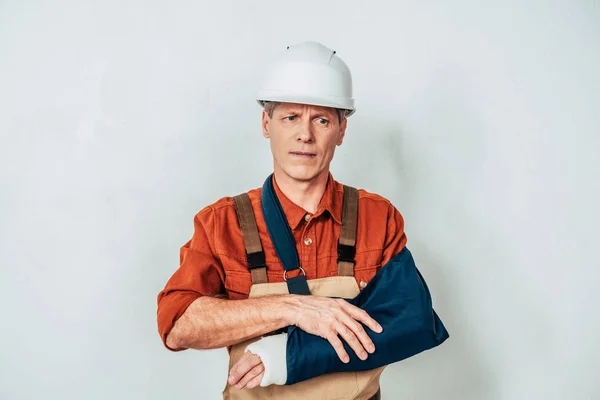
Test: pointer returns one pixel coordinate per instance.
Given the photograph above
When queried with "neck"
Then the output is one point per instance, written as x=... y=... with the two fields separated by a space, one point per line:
x=306 y=194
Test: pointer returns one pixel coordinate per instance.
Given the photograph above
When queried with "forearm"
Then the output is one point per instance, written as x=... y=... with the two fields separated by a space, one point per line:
x=399 y=300
x=392 y=345
x=210 y=323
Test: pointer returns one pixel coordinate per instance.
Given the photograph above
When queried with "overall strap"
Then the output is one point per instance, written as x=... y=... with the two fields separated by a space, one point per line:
x=254 y=250
x=347 y=241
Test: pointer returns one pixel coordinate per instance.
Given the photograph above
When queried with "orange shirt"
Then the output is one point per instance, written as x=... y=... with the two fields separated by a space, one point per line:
x=214 y=261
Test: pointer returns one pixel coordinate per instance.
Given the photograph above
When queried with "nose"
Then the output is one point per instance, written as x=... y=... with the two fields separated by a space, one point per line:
x=304 y=133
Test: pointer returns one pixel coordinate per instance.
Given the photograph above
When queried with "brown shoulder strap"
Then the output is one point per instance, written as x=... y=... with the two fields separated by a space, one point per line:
x=347 y=242
x=254 y=250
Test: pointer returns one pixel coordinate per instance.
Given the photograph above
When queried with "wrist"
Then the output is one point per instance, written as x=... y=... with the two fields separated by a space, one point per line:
x=289 y=309
x=272 y=352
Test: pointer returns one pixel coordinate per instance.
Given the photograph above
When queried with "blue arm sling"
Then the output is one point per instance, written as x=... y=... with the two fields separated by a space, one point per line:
x=397 y=298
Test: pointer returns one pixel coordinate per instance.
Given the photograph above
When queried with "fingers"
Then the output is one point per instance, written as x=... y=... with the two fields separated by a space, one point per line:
x=350 y=329
x=362 y=316
x=347 y=333
x=360 y=333
x=337 y=319
x=337 y=345
x=251 y=376
x=256 y=381
x=243 y=366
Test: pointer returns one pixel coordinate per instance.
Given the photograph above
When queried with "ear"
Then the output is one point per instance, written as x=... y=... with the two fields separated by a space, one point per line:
x=265 y=124
x=342 y=131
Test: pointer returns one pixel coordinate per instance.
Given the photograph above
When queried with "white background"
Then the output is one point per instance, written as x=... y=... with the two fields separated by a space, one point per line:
x=119 y=120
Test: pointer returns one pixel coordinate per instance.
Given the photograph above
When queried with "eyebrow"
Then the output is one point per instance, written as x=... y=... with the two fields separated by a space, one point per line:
x=319 y=111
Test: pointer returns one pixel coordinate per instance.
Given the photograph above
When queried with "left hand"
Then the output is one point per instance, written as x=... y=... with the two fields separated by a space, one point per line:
x=247 y=372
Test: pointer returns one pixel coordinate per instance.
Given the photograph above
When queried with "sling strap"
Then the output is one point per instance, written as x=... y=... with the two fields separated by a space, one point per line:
x=347 y=240
x=254 y=250
x=283 y=239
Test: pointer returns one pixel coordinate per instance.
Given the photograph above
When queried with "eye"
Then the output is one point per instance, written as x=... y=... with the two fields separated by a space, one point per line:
x=290 y=118
x=322 y=121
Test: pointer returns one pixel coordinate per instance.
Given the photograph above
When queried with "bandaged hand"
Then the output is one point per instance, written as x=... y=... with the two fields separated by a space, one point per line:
x=264 y=363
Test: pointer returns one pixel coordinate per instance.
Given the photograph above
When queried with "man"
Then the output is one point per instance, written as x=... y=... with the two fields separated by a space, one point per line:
x=238 y=282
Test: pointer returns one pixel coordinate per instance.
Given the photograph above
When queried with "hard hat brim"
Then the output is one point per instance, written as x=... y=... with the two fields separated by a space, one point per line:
x=323 y=101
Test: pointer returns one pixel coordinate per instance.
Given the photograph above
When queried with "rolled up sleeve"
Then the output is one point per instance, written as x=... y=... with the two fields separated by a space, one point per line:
x=199 y=274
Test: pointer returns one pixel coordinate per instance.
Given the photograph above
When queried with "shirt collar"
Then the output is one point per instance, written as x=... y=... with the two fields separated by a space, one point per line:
x=331 y=202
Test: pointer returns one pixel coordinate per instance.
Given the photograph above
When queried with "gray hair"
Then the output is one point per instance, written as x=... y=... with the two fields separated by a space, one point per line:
x=270 y=106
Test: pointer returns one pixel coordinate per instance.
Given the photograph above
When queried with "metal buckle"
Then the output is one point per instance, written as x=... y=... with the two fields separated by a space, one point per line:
x=286 y=271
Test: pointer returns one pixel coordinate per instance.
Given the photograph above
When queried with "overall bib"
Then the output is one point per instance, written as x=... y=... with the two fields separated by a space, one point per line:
x=363 y=385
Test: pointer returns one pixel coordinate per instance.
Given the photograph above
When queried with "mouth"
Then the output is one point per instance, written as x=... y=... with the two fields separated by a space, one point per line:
x=303 y=154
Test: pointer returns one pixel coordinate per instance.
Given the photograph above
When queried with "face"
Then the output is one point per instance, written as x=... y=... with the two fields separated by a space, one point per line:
x=303 y=139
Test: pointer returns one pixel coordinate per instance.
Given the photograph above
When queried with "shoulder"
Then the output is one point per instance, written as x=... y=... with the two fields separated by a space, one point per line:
x=373 y=198
x=366 y=198
x=374 y=206
x=225 y=206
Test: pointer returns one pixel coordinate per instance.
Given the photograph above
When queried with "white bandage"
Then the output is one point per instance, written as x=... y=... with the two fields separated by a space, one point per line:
x=272 y=352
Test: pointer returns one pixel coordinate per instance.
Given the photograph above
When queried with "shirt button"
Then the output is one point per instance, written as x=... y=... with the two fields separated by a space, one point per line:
x=363 y=284
x=307 y=217
x=308 y=241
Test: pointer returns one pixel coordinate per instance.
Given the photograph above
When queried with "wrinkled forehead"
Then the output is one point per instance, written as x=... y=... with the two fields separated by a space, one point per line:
x=302 y=108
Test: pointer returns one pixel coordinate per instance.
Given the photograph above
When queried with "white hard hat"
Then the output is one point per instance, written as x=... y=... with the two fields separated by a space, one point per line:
x=309 y=73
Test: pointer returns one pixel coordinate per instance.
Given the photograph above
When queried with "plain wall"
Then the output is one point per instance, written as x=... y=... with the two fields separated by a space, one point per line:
x=119 y=120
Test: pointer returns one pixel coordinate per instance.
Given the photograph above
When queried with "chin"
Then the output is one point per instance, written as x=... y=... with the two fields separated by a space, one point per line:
x=301 y=174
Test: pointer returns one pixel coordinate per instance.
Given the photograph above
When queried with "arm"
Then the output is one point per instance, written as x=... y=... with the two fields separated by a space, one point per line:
x=193 y=314
x=192 y=311
x=210 y=323
x=319 y=317
x=397 y=297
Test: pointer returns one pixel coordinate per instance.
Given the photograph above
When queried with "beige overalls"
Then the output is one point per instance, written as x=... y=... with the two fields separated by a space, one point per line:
x=362 y=385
